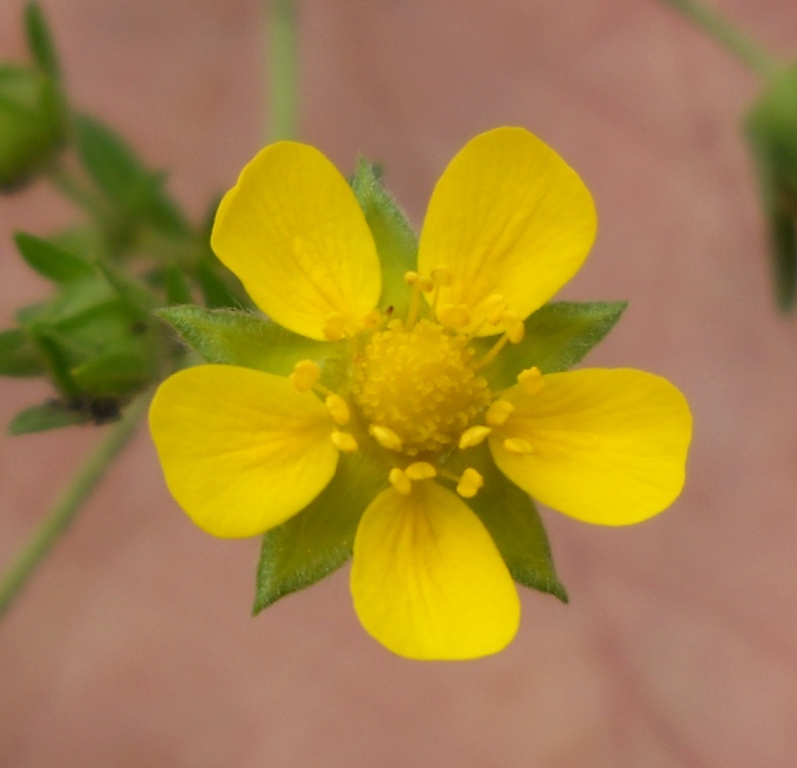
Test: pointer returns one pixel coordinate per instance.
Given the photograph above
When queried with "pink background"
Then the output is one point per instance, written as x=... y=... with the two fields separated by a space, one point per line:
x=133 y=646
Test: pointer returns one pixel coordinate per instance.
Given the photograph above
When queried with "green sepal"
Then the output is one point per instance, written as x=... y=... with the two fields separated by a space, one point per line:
x=234 y=337
x=18 y=356
x=558 y=336
x=320 y=538
x=50 y=261
x=40 y=41
x=46 y=416
x=136 y=192
x=56 y=359
x=396 y=243
x=509 y=514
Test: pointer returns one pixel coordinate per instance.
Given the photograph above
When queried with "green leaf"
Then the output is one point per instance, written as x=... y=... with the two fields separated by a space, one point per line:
x=57 y=361
x=234 y=337
x=558 y=335
x=134 y=293
x=783 y=235
x=40 y=418
x=395 y=241
x=115 y=374
x=40 y=41
x=319 y=539
x=217 y=291
x=18 y=356
x=114 y=166
x=512 y=519
x=175 y=285
x=50 y=261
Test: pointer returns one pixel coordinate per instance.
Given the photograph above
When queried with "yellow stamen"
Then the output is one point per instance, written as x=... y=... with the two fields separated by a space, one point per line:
x=454 y=316
x=334 y=326
x=386 y=437
x=419 y=284
x=338 y=409
x=531 y=380
x=473 y=436
x=498 y=413
x=515 y=330
x=305 y=375
x=420 y=470
x=470 y=483
x=518 y=445
x=399 y=480
x=344 y=442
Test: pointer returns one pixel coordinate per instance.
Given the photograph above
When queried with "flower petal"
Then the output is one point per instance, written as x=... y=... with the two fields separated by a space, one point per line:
x=608 y=446
x=241 y=450
x=292 y=231
x=509 y=217
x=427 y=579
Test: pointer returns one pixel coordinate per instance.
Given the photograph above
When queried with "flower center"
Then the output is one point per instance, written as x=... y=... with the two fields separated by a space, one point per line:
x=420 y=384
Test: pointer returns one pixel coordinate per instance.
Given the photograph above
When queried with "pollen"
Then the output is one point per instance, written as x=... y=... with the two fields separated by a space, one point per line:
x=421 y=385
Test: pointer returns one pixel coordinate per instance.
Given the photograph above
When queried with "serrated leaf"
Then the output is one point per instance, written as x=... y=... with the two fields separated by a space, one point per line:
x=558 y=336
x=50 y=261
x=115 y=167
x=46 y=416
x=395 y=240
x=234 y=337
x=512 y=519
x=40 y=41
x=18 y=356
x=319 y=539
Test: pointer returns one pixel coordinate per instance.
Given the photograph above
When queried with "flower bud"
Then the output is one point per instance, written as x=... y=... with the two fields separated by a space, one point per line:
x=32 y=124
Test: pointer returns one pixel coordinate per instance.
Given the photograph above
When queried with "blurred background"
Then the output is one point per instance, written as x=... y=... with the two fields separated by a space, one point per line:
x=134 y=646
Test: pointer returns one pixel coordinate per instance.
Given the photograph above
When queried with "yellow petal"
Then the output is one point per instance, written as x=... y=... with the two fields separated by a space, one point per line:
x=242 y=451
x=509 y=218
x=606 y=446
x=427 y=579
x=292 y=231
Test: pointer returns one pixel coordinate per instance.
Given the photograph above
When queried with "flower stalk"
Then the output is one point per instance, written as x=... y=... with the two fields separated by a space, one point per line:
x=71 y=500
x=283 y=70
x=728 y=36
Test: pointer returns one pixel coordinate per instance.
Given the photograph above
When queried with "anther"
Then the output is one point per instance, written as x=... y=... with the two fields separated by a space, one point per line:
x=518 y=446
x=338 y=409
x=399 y=480
x=469 y=483
x=420 y=470
x=454 y=316
x=531 y=380
x=515 y=330
x=305 y=375
x=473 y=436
x=386 y=437
x=334 y=326
x=344 y=442
x=498 y=412
x=372 y=319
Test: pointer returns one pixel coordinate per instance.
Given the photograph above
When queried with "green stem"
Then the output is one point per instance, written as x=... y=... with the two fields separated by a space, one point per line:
x=283 y=70
x=70 y=502
x=728 y=35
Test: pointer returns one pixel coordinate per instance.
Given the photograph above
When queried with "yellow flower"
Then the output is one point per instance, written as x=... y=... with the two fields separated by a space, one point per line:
x=244 y=450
